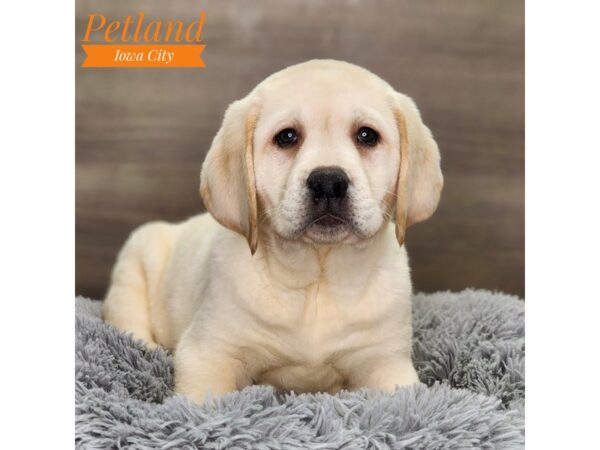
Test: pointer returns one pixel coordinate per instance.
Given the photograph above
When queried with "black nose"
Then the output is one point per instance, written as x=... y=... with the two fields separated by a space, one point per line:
x=327 y=184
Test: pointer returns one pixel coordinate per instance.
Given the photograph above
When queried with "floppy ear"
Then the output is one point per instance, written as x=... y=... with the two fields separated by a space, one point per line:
x=420 y=179
x=227 y=184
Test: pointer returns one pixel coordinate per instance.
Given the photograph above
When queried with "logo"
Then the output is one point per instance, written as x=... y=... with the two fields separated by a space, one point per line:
x=136 y=42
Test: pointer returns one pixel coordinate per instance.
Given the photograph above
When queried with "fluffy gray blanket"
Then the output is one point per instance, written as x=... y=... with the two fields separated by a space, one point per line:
x=468 y=350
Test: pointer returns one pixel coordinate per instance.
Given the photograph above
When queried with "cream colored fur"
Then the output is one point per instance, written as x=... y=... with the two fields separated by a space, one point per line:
x=304 y=312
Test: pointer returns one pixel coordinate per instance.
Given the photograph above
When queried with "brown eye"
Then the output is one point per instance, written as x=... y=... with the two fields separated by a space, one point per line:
x=367 y=136
x=286 y=138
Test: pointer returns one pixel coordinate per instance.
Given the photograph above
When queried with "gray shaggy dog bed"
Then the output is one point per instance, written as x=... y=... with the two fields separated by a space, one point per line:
x=468 y=349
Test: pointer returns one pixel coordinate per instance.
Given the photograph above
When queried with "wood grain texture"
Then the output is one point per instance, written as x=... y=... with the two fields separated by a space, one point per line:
x=142 y=134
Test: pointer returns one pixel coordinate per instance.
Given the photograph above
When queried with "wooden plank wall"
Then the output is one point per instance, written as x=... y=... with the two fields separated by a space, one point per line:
x=141 y=135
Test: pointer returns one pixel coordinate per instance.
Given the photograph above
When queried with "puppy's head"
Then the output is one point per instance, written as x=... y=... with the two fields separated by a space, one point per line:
x=323 y=152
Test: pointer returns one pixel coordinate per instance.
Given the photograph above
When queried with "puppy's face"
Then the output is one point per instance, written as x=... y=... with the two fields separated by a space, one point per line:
x=326 y=156
x=322 y=152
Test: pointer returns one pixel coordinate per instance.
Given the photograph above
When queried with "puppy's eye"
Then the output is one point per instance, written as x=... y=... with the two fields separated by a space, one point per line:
x=286 y=138
x=367 y=136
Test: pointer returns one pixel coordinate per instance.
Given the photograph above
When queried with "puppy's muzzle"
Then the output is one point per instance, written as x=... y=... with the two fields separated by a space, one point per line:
x=327 y=188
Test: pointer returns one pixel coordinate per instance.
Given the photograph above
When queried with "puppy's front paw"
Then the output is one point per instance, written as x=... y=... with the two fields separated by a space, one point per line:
x=202 y=371
x=388 y=375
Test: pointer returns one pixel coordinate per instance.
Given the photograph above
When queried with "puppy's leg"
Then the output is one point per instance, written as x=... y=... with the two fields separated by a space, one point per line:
x=203 y=367
x=127 y=304
x=386 y=374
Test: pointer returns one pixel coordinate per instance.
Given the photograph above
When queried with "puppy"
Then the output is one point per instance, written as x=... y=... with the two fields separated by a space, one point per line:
x=295 y=278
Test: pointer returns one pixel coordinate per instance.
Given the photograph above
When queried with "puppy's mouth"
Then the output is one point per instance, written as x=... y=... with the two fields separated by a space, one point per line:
x=328 y=228
x=329 y=221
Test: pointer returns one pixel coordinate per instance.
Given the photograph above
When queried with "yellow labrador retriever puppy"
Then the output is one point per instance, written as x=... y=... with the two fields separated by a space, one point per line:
x=295 y=278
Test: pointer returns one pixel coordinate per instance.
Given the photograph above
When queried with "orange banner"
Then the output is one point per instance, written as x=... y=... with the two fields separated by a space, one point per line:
x=100 y=55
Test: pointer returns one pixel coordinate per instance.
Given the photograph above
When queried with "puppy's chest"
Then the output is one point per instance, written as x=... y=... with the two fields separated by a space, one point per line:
x=306 y=347
x=315 y=328
x=316 y=316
